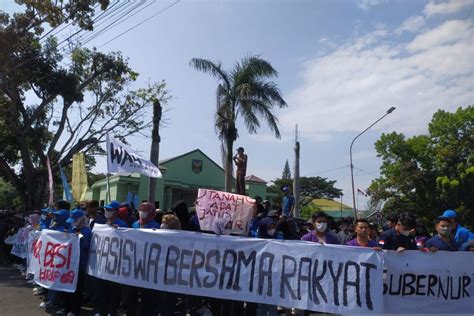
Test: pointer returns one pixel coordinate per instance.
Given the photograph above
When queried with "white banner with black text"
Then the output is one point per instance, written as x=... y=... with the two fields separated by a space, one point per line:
x=431 y=283
x=295 y=274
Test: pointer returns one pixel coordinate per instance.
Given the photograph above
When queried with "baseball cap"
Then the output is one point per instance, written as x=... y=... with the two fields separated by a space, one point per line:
x=75 y=214
x=113 y=204
x=450 y=214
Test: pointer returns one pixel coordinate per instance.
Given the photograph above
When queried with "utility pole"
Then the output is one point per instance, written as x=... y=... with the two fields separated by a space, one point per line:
x=296 y=174
x=155 y=148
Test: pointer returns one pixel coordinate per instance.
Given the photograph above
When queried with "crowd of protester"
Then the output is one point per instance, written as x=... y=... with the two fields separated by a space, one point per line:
x=400 y=232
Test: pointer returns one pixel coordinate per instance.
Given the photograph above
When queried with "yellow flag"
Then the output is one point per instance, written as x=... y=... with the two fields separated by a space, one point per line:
x=79 y=177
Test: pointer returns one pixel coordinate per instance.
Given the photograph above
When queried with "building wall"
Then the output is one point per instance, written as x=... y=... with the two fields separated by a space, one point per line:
x=179 y=181
x=254 y=188
x=179 y=171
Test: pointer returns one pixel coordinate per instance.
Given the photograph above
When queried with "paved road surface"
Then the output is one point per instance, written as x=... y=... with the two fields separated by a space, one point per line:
x=16 y=296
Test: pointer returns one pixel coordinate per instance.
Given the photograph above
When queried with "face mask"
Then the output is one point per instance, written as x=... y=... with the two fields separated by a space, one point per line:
x=445 y=231
x=164 y=226
x=226 y=231
x=405 y=233
x=143 y=214
x=43 y=217
x=109 y=214
x=321 y=227
x=271 y=232
x=29 y=221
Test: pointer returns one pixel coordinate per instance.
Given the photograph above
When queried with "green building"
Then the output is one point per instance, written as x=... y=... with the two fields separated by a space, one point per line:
x=182 y=177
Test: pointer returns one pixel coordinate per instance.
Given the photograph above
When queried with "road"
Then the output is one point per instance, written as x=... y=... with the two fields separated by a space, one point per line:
x=16 y=295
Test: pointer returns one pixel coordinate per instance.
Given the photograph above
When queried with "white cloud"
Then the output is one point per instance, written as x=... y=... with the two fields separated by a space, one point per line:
x=452 y=31
x=452 y=6
x=413 y=24
x=367 y=4
x=354 y=85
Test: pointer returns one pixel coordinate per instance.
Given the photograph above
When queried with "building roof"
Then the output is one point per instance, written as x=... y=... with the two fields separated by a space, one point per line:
x=327 y=205
x=165 y=161
x=253 y=178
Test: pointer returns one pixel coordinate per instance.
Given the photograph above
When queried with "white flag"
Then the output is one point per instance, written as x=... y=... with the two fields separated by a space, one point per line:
x=123 y=160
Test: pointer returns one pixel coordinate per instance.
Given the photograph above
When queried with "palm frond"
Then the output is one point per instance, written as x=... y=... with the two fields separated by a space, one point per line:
x=262 y=108
x=250 y=119
x=253 y=68
x=215 y=69
x=268 y=92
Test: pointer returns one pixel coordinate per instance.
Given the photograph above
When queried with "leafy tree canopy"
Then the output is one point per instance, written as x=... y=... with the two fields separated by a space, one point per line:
x=310 y=188
x=426 y=174
x=50 y=108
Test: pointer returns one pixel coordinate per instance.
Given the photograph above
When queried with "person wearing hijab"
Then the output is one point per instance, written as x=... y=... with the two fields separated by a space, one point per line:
x=170 y=221
x=148 y=298
x=147 y=213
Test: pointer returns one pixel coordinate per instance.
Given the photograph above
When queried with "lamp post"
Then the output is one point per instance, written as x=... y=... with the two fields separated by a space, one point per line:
x=350 y=154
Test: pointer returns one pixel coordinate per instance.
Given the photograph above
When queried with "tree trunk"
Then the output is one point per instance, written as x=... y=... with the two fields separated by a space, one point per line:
x=155 y=148
x=229 y=166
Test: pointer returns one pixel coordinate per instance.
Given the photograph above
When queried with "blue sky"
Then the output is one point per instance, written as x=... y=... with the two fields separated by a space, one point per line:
x=341 y=65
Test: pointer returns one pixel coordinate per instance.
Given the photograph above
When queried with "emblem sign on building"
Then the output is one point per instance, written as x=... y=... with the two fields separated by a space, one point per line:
x=197 y=165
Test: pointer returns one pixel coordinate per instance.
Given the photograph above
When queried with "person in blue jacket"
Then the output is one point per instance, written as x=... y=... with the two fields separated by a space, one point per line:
x=458 y=233
x=77 y=220
x=443 y=240
x=58 y=224
x=111 y=215
x=46 y=217
x=146 y=215
x=107 y=294
x=148 y=298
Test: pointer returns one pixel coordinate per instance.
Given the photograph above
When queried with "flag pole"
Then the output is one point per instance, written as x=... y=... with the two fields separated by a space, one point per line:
x=107 y=198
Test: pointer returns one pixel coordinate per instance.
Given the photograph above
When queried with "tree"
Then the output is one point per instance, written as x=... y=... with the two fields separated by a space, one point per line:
x=311 y=188
x=155 y=140
x=426 y=174
x=69 y=108
x=242 y=91
x=286 y=171
x=8 y=197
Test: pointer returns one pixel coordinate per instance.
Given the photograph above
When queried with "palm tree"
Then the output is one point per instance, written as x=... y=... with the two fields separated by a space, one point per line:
x=245 y=92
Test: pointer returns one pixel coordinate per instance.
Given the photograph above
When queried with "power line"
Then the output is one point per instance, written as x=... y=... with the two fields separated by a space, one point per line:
x=38 y=54
x=325 y=171
x=119 y=21
x=137 y=25
x=60 y=49
x=101 y=16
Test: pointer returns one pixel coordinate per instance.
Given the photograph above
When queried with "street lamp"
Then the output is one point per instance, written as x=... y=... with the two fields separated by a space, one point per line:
x=350 y=154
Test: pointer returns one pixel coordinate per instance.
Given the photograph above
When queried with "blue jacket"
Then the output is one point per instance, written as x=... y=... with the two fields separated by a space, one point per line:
x=439 y=243
x=150 y=224
x=462 y=235
x=45 y=223
x=84 y=244
x=120 y=223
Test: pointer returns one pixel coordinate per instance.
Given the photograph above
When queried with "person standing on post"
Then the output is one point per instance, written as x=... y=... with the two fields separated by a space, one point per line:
x=241 y=162
x=288 y=203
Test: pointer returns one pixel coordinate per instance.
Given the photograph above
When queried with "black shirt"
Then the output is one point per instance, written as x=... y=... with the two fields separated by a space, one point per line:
x=390 y=240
